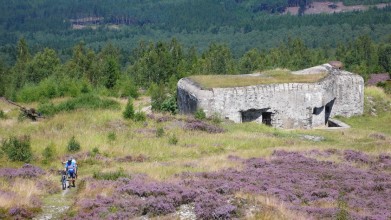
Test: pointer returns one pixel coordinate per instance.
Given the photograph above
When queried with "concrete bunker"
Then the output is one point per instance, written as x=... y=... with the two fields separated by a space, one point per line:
x=290 y=104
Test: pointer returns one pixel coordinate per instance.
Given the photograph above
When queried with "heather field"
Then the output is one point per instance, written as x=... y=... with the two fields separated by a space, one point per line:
x=178 y=167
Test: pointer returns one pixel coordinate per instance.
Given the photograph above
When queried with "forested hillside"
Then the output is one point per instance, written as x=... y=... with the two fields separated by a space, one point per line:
x=114 y=49
x=241 y=24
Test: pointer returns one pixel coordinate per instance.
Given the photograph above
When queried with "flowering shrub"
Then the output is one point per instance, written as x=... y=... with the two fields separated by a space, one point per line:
x=298 y=180
x=27 y=171
x=356 y=156
x=129 y=158
x=193 y=125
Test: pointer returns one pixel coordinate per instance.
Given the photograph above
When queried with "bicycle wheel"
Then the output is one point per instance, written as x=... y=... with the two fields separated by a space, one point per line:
x=64 y=183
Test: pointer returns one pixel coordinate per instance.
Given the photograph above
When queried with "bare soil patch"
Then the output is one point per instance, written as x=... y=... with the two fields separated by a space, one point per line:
x=325 y=8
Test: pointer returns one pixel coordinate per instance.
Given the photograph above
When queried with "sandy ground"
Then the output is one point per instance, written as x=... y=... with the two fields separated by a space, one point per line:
x=323 y=7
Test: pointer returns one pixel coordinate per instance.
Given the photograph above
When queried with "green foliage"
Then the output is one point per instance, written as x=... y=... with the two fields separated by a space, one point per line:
x=139 y=116
x=125 y=87
x=129 y=110
x=110 y=175
x=217 y=60
x=342 y=213
x=158 y=95
x=2 y=115
x=18 y=148
x=50 y=88
x=112 y=72
x=73 y=145
x=160 y=132
x=173 y=139
x=42 y=65
x=170 y=105
x=47 y=108
x=385 y=85
x=112 y=136
x=200 y=114
x=376 y=101
x=216 y=118
x=49 y=153
x=95 y=151
x=85 y=101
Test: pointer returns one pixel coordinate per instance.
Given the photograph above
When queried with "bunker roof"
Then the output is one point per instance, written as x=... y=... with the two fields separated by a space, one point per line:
x=276 y=76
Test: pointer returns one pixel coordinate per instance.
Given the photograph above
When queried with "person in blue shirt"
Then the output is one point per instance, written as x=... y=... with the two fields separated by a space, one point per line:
x=71 y=169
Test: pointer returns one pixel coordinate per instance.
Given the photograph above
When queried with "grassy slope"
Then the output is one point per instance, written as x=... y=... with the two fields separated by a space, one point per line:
x=92 y=127
x=195 y=151
x=268 y=77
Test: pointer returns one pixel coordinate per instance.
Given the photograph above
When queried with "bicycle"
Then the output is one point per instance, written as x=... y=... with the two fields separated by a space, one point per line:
x=64 y=179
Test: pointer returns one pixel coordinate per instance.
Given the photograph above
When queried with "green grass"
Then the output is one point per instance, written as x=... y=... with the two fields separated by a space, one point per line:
x=267 y=77
x=91 y=128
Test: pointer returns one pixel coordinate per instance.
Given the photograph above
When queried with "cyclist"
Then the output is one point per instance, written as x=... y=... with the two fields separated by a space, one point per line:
x=71 y=169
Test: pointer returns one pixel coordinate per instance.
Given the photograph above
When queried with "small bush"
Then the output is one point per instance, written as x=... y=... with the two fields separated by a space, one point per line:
x=2 y=115
x=85 y=101
x=170 y=105
x=129 y=110
x=18 y=148
x=73 y=145
x=173 y=140
x=109 y=175
x=216 y=118
x=160 y=132
x=139 y=116
x=47 y=109
x=342 y=213
x=112 y=136
x=158 y=95
x=200 y=114
x=126 y=88
x=48 y=153
x=95 y=151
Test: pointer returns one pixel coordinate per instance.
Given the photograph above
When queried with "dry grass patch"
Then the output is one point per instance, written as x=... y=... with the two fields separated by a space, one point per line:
x=19 y=192
x=268 y=208
x=267 y=77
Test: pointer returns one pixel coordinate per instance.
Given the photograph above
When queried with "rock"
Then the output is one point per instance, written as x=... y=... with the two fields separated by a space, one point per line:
x=312 y=138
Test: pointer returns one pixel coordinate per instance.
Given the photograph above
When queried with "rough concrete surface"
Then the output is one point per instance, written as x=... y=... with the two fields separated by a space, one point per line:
x=285 y=105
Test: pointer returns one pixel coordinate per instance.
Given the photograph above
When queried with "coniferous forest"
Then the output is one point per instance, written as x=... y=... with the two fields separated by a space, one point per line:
x=115 y=49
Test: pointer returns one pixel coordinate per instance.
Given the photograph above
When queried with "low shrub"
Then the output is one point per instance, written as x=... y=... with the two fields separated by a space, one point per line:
x=110 y=175
x=216 y=118
x=170 y=105
x=95 y=151
x=139 y=116
x=200 y=114
x=73 y=145
x=386 y=86
x=18 y=148
x=126 y=88
x=47 y=109
x=27 y=171
x=112 y=136
x=85 y=101
x=2 y=115
x=194 y=125
x=49 y=88
x=129 y=110
x=48 y=153
x=173 y=139
x=160 y=132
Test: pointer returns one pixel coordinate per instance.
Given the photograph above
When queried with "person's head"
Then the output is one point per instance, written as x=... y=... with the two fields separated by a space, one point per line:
x=69 y=160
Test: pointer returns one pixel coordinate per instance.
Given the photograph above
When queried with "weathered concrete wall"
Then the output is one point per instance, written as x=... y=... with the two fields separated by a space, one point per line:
x=292 y=105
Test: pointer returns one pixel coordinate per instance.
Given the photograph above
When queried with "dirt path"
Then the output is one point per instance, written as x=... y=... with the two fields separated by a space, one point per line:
x=54 y=206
